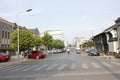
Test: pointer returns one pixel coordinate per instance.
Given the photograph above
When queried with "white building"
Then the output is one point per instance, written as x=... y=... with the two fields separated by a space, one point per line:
x=77 y=41
x=57 y=34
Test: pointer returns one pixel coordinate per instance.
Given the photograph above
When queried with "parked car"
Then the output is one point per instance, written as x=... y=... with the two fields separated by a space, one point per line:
x=93 y=52
x=63 y=50
x=36 y=54
x=4 y=56
x=78 y=50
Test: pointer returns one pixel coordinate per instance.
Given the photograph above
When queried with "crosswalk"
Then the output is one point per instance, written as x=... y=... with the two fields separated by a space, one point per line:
x=59 y=66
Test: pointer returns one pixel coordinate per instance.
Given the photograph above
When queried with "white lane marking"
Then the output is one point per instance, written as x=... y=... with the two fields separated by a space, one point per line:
x=41 y=67
x=20 y=68
x=7 y=67
x=106 y=64
x=73 y=66
x=61 y=67
x=96 y=65
x=51 y=67
x=84 y=66
x=30 y=68
x=116 y=63
x=14 y=67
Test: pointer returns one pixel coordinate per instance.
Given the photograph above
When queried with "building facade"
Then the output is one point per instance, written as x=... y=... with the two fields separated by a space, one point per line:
x=6 y=28
x=109 y=40
x=35 y=32
x=78 y=41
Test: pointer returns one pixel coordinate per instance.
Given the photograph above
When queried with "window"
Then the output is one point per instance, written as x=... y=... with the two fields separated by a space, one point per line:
x=5 y=45
x=5 y=34
x=2 y=34
x=8 y=35
x=8 y=46
x=2 y=45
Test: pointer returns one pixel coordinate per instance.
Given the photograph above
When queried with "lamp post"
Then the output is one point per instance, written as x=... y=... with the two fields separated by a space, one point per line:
x=18 y=32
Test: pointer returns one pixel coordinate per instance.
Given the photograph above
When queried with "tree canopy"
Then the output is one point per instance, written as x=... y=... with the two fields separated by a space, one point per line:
x=88 y=44
x=47 y=40
x=26 y=39
x=58 y=44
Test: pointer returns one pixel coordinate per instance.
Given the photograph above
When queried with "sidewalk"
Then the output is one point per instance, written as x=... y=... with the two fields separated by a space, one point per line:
x=13 y=60
x=103 y=56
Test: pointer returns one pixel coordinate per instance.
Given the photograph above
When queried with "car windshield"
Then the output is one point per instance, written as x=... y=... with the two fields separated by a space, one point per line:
x=60 y=39
x=94 y=50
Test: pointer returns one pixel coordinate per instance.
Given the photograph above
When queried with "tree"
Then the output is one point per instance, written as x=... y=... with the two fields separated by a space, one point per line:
x=58 y=44
x=47 y=40
x=38 y=41
x=26 y=39
x=88 y=44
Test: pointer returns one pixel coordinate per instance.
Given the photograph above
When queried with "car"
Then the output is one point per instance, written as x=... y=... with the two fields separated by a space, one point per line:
x=78 y=50
x=63 y=50
x=93 y=52
x=4 y=56
x=36 y=54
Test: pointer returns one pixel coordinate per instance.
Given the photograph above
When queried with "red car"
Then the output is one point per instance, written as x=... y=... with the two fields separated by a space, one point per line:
x=4 y=57
x=36 y=54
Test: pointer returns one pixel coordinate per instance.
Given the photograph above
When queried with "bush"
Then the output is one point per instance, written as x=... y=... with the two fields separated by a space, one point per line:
x=11 y=51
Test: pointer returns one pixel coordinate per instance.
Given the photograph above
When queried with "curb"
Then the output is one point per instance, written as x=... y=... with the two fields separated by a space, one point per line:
x=107 y=57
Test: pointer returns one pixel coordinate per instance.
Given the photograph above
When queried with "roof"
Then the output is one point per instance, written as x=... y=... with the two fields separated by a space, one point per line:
x=34 y=31
x=110 y=28
x=7 y=22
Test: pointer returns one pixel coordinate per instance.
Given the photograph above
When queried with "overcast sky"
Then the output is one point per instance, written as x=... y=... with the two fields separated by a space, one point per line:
x=75 y=17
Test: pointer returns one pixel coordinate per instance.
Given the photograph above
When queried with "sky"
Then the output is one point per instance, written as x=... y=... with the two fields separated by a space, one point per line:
x=76 y=18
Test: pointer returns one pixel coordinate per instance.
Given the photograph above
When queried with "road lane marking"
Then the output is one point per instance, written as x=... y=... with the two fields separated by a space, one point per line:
x=14 y=67
x=84 y=66
x=106 y=64
x=7 y=67
x=20 y=68
x=116 y=63
x=41 y=67
x=96 y=65
x=30 y=68
x=84 y=74
x=61 y=67
x=51 y=67
x=73 y=66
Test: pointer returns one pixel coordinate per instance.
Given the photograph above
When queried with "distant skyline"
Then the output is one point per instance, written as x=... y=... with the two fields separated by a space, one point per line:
x=76 y=18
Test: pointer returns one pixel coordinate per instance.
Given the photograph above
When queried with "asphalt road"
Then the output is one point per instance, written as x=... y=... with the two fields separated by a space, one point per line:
x=63 y=66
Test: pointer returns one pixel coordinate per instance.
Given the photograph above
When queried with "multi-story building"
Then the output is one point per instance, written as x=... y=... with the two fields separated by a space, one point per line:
x=6 y=28
x=78 y=41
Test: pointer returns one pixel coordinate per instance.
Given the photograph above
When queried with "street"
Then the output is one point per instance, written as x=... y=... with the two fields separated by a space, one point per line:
x=63 y=66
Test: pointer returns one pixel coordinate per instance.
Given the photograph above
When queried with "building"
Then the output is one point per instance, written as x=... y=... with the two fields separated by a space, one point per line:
x=78 y=41
x=35 y=32
x=101 y=44
x=109 y=40
x=6 y=28
x=56 y=34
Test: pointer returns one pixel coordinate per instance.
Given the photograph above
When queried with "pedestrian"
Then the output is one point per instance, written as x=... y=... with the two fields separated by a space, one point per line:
x=68 y=51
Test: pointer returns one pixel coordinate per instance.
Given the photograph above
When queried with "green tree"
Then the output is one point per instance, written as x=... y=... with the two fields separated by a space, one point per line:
x=58 y=44
x=26 y=39
x=38 y=41
x=88 y=44
x=47 y=40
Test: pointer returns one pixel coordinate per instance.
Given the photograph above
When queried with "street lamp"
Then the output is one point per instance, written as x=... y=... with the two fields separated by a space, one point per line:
x=18 y=32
